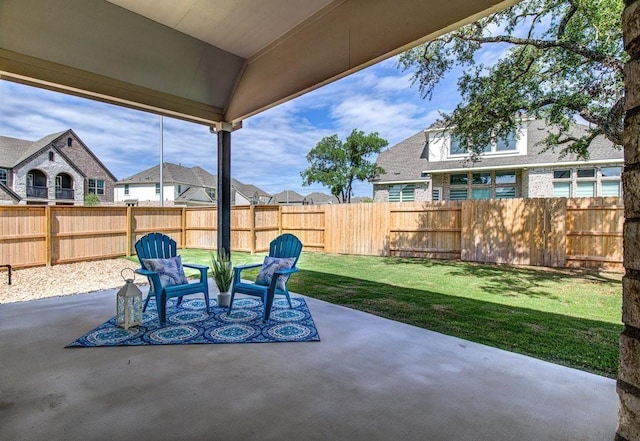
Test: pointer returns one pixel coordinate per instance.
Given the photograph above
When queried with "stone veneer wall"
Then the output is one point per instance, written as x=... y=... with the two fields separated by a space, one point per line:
x=89 y=166
x=537 y=183
x=51 y=169
x=629 y=371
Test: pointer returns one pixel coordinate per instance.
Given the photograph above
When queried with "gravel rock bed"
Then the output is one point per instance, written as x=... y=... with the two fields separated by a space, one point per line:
x=61 y=280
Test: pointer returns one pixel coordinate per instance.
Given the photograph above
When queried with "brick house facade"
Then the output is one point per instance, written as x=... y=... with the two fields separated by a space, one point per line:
x=430 y=166
x=57 y=169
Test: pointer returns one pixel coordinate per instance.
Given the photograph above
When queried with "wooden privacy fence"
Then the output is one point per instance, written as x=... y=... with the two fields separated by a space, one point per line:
x=584 y=232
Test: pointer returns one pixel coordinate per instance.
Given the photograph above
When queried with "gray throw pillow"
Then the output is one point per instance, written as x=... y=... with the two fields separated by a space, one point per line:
x=170 y=270
x=270 y=266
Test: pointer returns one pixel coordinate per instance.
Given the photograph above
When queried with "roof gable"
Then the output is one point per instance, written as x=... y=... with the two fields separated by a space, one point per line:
x=14 y=151
x=12 y=194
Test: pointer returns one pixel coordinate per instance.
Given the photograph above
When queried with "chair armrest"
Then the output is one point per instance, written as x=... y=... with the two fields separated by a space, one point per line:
x=152 y=276
x=195 y=266
x=285 y=272
x=202 y=268
x=244 y=267
x=237 y=270
x=144 y=272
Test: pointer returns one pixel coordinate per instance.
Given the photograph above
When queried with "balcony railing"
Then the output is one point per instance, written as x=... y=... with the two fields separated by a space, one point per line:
x=36 y=191
x=64 y=193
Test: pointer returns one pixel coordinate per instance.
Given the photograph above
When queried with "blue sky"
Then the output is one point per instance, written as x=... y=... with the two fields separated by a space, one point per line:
x=269 y=151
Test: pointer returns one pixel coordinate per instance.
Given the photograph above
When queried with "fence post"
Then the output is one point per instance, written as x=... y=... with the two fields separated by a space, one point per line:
x=279 y=220
x=252 y=227
x=47 y=215
x=183 y=226
x=129 y=224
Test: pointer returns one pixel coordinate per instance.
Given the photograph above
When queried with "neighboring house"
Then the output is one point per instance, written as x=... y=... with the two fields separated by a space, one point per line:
x=248 y=194
x=317 y=198
x=181 y=186
x=57 y=169
x=431 y=165
x=287 y=197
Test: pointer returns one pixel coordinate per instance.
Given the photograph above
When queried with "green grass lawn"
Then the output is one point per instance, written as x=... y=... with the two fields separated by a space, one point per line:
x=567 y=317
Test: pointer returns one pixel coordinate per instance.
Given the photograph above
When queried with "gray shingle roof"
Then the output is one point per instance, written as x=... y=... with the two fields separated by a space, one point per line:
x=173 y=174
x=13 y=150
x=248 y=190
x=320 y=198
x=194 y=177
x=10 y=193
x=287 y=196
x=405 y=161
x=195 y=194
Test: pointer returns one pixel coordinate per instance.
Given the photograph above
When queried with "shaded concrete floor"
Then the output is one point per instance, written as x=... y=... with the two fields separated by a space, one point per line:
x=368 y=379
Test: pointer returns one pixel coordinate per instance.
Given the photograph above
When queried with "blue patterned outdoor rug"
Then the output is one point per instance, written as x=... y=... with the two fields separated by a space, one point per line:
x=191 y=324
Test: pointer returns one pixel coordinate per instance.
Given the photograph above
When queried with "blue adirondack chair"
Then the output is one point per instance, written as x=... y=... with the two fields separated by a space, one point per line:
x=160 y=246
x=283 y=246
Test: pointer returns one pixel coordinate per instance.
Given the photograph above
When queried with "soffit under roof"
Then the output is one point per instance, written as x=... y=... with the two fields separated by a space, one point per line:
x=242 y=27
x=211 y=61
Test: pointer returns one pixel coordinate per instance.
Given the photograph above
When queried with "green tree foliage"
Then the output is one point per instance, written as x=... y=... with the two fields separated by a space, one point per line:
x=337 y=164
x=91 y=199
x=561 y=59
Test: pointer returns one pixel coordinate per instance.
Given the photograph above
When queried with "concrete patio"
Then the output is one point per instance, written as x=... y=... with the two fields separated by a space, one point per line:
x=368 y=379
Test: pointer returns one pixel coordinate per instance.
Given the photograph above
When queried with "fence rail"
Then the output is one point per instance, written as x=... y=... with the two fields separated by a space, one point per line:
x=549 y=232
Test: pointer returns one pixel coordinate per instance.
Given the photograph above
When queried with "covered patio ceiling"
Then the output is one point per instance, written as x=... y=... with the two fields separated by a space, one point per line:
x=211 y=61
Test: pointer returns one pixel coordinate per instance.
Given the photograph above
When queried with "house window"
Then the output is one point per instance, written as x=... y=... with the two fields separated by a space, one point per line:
x=562 y=189
x=508 y=192
x=586 y=187
x=611 y=181
x=455 y=146
x=611 y=188
x=457 y=194
x=69 y=141
x=505 y=184
x=402 y=193
x=497 y=145
x=126 y=188
x=157 y=188
x=562 y=183
x=96 y=186
x=481 y=178
x=3 y=176
x=611 y=172
x=459 y=179
x=481 y=193
x=483 y=185
x=587 y=173
x=505 y=177
x=459 y=183
x=52 y=156
x=508 y=143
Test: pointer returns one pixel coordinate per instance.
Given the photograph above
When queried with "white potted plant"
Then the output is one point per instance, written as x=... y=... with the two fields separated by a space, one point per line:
x=222 y=271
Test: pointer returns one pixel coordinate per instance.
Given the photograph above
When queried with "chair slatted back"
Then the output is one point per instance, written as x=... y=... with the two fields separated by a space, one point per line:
x=156 y=246
x=286 y=245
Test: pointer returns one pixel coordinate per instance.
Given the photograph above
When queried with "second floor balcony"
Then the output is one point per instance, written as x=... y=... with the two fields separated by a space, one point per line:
x=64 y=193
x=35 y=191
